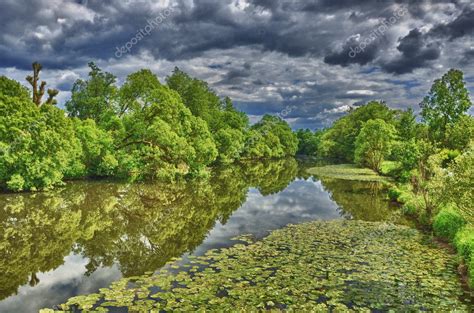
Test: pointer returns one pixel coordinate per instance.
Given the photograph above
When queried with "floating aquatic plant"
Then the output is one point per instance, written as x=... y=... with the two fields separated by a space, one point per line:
x=340 y=265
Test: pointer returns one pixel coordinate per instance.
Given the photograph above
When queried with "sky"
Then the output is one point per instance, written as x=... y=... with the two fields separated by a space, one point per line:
x=307 y=61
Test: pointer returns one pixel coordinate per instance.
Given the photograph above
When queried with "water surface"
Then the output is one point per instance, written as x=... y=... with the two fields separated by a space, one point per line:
x=84 y=236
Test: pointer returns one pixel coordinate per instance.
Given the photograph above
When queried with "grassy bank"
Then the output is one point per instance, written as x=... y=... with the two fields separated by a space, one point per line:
x=319 y=266
x=451 y=224
x=347 y=172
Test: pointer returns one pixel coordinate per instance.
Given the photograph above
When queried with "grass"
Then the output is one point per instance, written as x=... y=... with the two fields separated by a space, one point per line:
x=347 y=172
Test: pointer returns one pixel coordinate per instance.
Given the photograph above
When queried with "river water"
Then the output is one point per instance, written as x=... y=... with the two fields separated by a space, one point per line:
x=82 y=237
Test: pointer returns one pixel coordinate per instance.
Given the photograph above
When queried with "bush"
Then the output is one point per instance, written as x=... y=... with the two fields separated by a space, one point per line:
x=404 y=197
x=447 y=223
x=464 y=242
x=414 y=205
x=16 y=183
x=391 y=168
x=394 y=193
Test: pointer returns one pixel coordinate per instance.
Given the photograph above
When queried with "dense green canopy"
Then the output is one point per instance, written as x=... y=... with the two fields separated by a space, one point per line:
x=140 y=130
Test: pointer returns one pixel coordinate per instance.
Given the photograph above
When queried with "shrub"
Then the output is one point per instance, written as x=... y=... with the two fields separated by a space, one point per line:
x=404 y=197
x=414 y=205
x=16 y=183
x=464 y=243
x=390 y=168
x=394 y=193
x=447 y=223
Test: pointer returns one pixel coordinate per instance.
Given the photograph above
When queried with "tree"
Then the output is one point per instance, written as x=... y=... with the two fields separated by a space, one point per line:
x=94 y=98
x=406 y=125
x=272 y=137
x=12 y=88
x=38 y=89
x=444 y=105
x=161 y=138
x=461 y=133
x=308 y=142
x=338 y=142
x=374 y=143
x=98 y=153
x=227 y=125
x=37 y=145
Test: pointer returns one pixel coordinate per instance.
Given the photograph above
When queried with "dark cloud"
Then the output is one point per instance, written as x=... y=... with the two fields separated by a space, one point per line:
x=462 y=26
x=266 y=54
x=415 y=53
x=353 y=51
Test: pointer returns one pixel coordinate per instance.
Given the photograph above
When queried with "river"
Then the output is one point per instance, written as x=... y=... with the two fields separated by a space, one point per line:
x=84 y=236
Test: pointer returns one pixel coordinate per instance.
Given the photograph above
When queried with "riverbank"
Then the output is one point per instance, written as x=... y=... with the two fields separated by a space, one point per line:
x=448 y=226
x=337 y=265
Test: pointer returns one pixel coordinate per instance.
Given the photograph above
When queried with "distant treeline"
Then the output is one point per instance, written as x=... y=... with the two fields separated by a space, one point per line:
x=141 y=130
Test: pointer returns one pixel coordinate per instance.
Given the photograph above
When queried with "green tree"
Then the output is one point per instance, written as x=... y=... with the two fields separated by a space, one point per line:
x=227 y=125
x=94 y=98
x=308 y=142
x=406 y=125
x=338 y=142
x=98 y=148
x=374 y=143
x=161 y=138
x=12 y=88
x=445 y=104
x=272 y=137
x=461 y=133
x=37 y=145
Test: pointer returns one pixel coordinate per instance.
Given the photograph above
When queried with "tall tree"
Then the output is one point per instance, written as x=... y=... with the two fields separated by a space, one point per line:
x=39 y=87
x=93 y=98
x=444 y=105
x=374 y=143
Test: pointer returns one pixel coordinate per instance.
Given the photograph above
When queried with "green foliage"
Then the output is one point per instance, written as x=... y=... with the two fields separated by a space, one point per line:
x=457 y=183
x=394 y=193
x=37 y=145
x=408 y=154
x=464 y=243
x=413 y=206
x=406 y=125
x=347 y=172
x=12 y=88
x=142 y=130
x=447 y=101
x=447 y=223
x=196 y=95
x=161 y=138
x=310 y=262
x=227 y=126
x=308 y=142
x=338 y=142
x=98 y=149
x=461 y=133
x=94 y=98
x=272 y=137
x=374 y=143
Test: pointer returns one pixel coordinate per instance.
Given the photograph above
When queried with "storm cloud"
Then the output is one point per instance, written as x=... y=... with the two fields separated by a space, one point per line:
x=268 y=55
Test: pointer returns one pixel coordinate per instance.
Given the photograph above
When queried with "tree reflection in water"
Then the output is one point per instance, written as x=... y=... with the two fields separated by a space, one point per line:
x=140 y=227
